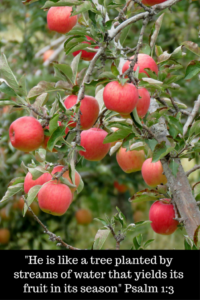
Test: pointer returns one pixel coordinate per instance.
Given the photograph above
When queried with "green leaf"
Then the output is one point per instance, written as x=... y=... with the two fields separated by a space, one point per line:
x=124 y=34
x=174 y=167
x=117 y=135
x=12 y=190
x=26 y=2
x=67 y=182
x=74 y=66
x=195 y=129
x=100 y=238
x=101 y=220
x=4 y=88
x=148 y=243
x=56 y=136
x=175 y=122
x=151 y=143
x=121 y=217
x=31 y=197
x=193 y=47
x=192 y=69
x=114 y=70
x=135 y=243
x=80 y=186
x=87 y=5
x=160 y=151
x=155 y=32
x=145 y=196
x=7 y=74
x=75 y=47
x=158 y=50
x=6 y=102
x=53 y=124
x=43 y=87
x=135 y=118
x=64 y=72
x=16 y=180
x=49 y=4
x=37 y=172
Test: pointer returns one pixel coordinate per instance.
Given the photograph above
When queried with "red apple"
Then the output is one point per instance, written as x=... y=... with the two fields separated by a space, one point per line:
x=120 y=98
x=59 y=19
x=54 y=198
x=29 y=182
x=47 y=54
x=130 y=161
x=162 y=216
x=142 y=104
x=86 y=55
x=89 y=110
x=144 y=62
x=83 y=216
x=46 y=138
x=152 y=2
x=4 y=236
x=92 y=141
x=152 y=173
x=122 y=188
x=26 y=134
x=66 y=175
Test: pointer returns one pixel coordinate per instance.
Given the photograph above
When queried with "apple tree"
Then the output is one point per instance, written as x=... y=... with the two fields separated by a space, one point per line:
x=126 y=100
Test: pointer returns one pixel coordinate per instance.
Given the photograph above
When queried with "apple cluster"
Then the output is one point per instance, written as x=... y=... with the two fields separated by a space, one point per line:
x=27 y=134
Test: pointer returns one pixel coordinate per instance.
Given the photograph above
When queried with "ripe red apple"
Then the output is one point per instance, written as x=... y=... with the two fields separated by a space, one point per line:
x=46 y=138
x=47 y=54
x=162 y=216
x=26 y=134
x=29 y=182
x=4 y=236
x=144 y=62
x=130 y=161
x=142 y=104
x=59 y=19
x=120 y=98
x=152 y=173
x=86 y=55
x=89 y=110
x=83 y=216
x=122 y=188
x=66 y=175
x=92 y=140
x=152 y=2
x=54 y=198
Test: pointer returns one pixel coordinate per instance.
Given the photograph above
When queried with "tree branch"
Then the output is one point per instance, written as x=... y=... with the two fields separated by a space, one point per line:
x=192 y=115
x=52 y=236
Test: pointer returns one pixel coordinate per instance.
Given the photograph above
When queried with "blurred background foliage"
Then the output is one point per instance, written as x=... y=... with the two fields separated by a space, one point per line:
x=23 y=32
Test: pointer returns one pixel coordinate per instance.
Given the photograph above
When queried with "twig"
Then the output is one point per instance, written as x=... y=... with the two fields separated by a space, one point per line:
x=52 y=236
x=129 y=72
x=52 y=44
x=192 y=115
x=196 y=167
x=118 y=237
x=54 y=55
x=194 y=185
